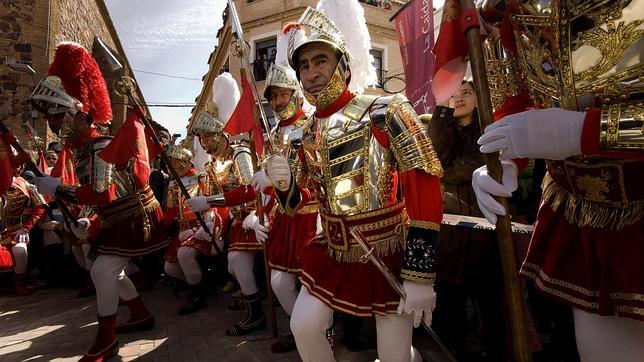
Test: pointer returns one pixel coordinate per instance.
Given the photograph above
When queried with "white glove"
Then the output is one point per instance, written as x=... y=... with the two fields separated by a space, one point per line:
x=49 y=225
x=202 y=234
x=198 y=203
x=22 y=236
x=420 y=302
x=46 y=185
x=484 y=187
x=184 y=235
x=552 y=134
x=81 y=231
x=260 y=181
x=261 y=231
x=278 y=171
x=248 y=222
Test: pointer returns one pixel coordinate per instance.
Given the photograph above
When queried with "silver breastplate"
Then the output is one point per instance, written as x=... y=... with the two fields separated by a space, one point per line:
x=354 y=172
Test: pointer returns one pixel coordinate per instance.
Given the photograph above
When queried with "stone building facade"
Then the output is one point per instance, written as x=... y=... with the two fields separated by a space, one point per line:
x=262 y=22
x=29 y=32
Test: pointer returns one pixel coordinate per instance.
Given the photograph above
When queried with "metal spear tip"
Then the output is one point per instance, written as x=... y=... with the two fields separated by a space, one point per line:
x=105 y=57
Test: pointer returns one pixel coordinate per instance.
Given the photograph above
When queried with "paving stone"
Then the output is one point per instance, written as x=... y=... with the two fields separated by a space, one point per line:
x=51 y=325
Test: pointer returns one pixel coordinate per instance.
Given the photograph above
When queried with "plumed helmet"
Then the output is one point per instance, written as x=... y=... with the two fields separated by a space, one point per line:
x=82 y=79
x=225 y=95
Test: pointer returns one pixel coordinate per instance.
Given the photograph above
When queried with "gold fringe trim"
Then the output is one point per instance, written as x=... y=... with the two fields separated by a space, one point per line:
x=137 y=204
x=587 y=213
x=381 y=247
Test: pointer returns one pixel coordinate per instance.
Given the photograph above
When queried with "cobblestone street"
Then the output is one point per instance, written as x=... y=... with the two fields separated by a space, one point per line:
x=52 y=325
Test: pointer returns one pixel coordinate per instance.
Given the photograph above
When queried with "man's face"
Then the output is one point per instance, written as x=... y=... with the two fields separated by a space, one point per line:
x=214 y=143
x=316 y=64
x=68 y=124
x=279 y=98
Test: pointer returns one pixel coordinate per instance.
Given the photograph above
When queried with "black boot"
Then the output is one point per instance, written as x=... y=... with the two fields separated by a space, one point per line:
x=253 y=318
x=196 y=300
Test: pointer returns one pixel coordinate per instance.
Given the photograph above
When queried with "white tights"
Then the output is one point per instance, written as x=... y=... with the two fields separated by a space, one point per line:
x=284 y=286
x=608 y=338
x=20 y=260
x=108 y=274
x=240 y=265
x=186 y=268
x=311 y=318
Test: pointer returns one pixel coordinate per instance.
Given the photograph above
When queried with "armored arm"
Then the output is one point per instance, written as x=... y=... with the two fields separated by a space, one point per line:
x=419 y=176
x=621 y=126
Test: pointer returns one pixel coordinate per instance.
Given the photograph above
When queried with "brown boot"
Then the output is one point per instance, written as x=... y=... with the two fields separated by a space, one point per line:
x=284 y=345
x=140 y=317
x=106 y=345
x=20 y=283
x=253 y=318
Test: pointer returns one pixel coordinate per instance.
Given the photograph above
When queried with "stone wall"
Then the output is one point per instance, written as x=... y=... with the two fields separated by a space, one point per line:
x=29 y=32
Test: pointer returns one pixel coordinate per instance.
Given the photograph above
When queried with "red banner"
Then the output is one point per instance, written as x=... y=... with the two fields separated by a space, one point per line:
x=415 y=28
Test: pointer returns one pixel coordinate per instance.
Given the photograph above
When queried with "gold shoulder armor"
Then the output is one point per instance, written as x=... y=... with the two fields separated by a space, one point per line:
x=409 y=142
x=243 y=164
x=102 y=172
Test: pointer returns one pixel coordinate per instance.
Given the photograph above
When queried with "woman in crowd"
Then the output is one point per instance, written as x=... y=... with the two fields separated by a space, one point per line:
x=468 y=262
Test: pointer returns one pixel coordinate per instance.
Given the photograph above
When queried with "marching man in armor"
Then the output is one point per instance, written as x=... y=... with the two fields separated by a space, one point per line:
x=582 y=63
x=129 y=219
x=357 y=152
x=229 y=177
x=181 y=255
x=288 y=233
x=20 y=200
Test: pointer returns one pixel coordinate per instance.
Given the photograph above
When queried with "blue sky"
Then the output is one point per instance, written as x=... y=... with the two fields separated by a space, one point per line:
x=169 y=37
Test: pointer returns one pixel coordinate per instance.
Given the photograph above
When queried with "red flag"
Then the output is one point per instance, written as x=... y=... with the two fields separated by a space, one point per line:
x=243 y=118
x=451 y=53
x=42 y=163
x=131 y=141
x=7 y=162
x=64 y=167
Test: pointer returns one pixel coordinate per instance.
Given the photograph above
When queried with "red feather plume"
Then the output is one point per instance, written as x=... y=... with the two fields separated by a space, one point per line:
x=83 y=80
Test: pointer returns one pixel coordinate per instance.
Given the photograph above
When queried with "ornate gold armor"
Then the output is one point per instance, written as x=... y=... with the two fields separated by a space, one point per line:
x=584 y=54
x=225 y=175
x=355 y=173
x=186 y=218
x=576 y=52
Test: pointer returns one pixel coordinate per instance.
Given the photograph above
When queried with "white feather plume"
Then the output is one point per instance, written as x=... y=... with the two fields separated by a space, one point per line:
x=200 y=156
x=281 y=57
x=348 y=16
x=225 y=94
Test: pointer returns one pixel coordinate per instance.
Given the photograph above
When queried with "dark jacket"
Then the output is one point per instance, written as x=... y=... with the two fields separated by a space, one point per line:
x=465 y=256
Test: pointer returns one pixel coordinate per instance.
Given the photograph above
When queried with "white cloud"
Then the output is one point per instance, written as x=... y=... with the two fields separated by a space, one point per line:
x=168 y=37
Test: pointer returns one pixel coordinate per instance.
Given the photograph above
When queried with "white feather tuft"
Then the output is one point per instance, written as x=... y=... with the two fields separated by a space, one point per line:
x=200 y=156
x=225 y=94
x=281 y=57
x=348 y=16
